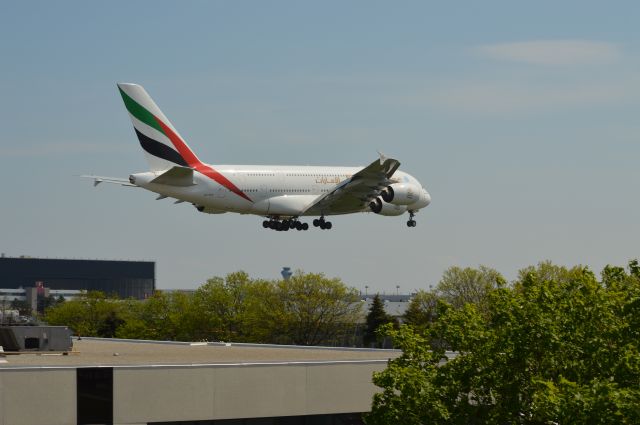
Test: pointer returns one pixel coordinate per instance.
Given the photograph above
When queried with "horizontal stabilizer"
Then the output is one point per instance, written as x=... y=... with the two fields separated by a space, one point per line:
x=115 y=180
x=176 y=176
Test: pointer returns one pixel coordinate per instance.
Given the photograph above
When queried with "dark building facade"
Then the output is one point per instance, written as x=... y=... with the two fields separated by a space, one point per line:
x=126 y=279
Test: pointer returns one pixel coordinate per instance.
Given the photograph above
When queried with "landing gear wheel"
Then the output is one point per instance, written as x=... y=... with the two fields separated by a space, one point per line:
x=292 y=223
x=316 y=222
x=328 y=225
x=411 y=222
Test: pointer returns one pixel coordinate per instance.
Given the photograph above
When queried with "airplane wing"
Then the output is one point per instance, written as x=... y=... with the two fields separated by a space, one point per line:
x=355 y=193
x=115 y=180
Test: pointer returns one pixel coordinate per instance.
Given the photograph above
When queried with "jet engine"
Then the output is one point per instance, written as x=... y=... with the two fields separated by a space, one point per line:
x=378 y=206
x=400 y=194
x=208 y=210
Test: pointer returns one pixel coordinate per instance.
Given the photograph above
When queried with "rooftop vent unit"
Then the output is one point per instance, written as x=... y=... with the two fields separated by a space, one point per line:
x=35 y=338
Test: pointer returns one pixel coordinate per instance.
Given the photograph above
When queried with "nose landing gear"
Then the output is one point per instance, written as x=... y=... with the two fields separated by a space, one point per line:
x=411 y=222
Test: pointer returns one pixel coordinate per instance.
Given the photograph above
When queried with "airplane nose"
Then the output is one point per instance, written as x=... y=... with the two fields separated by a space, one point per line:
x=427 y=197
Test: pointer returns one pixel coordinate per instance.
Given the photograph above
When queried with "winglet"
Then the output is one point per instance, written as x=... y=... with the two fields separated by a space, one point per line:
x=389 y=165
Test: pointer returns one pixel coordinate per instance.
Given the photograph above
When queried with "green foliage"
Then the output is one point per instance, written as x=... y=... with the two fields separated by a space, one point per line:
x=232 y=309
x=547 y=271
x=163 y=316
x=311 y=309
x=91 y=314
x=308 y=309
x=410 y=393
x=376 y=318
x=460 y=286
x=44 y=303
x=421 y=312
x=558 y=347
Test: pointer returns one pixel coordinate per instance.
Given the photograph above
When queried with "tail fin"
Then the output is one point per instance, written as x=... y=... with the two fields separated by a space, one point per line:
x=163 y=146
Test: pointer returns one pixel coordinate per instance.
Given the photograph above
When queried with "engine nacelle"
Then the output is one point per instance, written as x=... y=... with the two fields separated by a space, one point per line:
x=208 y=210
x=378 y=206
x=400 y=194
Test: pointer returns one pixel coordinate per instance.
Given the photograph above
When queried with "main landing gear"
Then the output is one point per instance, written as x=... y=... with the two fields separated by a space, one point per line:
x=411 y=222
x=321 y=223
x=284 y=225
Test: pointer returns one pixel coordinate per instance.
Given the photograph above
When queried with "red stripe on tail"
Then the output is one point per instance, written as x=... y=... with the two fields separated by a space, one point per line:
x=196 y=164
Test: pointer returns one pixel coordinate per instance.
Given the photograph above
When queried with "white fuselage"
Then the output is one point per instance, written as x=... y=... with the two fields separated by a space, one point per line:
x=280 y=193
x=276 y=191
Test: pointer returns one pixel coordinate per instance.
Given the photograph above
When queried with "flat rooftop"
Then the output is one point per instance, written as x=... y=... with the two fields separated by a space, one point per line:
x=92 y=352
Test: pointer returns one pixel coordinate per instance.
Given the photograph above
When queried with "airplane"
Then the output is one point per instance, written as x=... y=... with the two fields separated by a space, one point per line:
x=279 y=193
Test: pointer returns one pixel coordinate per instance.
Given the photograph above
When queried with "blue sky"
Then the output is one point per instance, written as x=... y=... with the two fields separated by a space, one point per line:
x=521 y=119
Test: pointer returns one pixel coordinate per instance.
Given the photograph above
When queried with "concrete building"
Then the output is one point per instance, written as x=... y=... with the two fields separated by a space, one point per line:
x=126 y=279
x=132 y=382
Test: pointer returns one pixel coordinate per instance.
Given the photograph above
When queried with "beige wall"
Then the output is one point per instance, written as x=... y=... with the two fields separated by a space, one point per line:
x=37 y=396
x=215 y=392
x=177 y=393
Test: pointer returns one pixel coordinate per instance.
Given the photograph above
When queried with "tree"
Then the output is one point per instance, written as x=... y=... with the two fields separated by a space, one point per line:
x=91 y=314
x=411 y=391
x=311 y=309
x=460 y=286
x=48 y=302
x=422 y=309
x=547 y=271
x=552 y=349
x=308 y=309
x=163 y=316
x=376 y=317
x=232 y=308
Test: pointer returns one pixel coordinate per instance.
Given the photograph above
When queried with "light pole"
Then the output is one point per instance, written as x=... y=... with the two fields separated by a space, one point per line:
x=397 y=289
x=366 y=290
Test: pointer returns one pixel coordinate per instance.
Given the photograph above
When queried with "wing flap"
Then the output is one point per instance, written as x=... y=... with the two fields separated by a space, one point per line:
x=355 y=193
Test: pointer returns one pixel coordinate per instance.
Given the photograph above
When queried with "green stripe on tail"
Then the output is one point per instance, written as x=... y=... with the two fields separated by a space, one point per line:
x=140 y=112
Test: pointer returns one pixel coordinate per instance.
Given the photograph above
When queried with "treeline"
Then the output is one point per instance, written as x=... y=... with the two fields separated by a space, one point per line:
x=307 y=309
x=558 y=345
